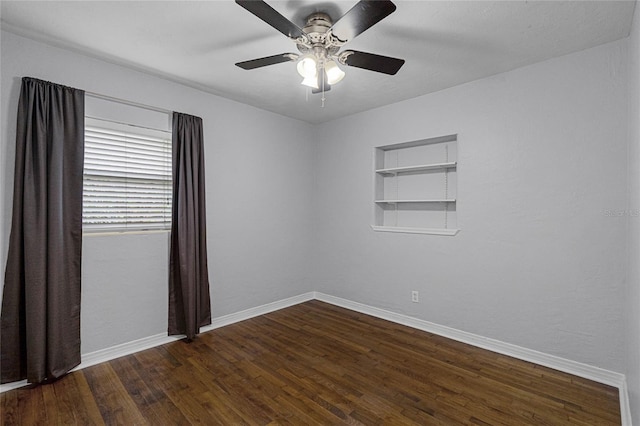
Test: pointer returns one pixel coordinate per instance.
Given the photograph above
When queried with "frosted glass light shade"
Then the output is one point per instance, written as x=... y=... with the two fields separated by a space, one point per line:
x=311 y=82
x=334 y=73
x=307 y=67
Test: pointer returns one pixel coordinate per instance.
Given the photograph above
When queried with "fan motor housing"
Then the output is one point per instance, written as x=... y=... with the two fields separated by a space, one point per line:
x=317 y=23
x=316 y=30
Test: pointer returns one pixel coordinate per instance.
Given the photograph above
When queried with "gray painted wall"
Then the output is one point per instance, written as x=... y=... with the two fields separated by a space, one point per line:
x=258 y=207
x=542 y=157
x=633 y=299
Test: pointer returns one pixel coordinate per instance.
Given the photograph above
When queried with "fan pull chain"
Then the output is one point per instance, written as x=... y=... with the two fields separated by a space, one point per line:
x=323 y=73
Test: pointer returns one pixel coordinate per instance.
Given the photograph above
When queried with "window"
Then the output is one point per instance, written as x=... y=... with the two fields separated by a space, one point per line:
x=127 y=177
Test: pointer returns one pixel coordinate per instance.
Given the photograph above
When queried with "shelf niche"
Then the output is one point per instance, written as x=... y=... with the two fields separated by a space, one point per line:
x=416 y=186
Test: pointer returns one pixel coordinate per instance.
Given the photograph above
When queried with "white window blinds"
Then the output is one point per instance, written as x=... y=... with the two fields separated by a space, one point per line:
x=127 y=177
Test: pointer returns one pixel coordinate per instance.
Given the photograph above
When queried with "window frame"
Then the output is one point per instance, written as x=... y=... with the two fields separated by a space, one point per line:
x=123 y=175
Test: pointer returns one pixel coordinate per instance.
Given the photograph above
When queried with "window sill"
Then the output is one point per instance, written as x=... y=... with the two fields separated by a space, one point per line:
x=430 y=231
x=124 y=232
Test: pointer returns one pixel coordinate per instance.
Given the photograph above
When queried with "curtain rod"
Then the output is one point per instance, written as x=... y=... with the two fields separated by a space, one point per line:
x=127 y=102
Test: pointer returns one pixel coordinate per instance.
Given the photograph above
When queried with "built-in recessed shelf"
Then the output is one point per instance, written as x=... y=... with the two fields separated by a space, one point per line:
x=421 y=168
x=416 y=201
x=405 y=230
x=415 y=187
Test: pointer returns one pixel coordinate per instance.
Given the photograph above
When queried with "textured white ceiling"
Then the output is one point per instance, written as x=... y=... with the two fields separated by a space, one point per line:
x=444 y=43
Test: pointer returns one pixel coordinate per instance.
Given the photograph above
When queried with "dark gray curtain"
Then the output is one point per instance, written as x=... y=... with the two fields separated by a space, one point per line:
x=40 y=320
x=189 y=303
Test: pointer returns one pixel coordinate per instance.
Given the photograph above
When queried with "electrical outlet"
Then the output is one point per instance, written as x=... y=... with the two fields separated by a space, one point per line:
x=415 y=296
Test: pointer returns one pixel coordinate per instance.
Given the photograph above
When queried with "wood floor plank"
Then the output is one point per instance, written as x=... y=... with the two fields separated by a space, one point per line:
x=73 y=396
x=113 y=401
x=87 y=399
x=10 y=408
x=178 y=384
x=31 y=404
x=315 y=363
x=153 y=403
x=50 y=405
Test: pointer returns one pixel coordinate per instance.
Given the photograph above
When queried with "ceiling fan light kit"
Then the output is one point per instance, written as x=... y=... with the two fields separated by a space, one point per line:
x=334 y=73
x=307 y=66
x=320 y=41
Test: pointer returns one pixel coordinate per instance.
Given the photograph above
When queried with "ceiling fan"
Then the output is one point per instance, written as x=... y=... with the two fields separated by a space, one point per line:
x=321 y=39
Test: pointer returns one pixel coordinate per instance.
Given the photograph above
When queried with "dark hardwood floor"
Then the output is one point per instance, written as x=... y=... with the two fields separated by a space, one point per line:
x=315 y=363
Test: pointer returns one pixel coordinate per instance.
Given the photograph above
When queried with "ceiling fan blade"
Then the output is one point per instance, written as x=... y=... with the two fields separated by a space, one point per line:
x=269 y=60
x=372 y=62
x=271 y=16
x=362 y=16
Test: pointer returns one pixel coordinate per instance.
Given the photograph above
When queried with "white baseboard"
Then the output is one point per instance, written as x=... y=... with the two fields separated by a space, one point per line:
x=128 y=348
x=117 y=351
x=551 y=361
x=13 y=385
x=104 y=355
x=572 y=367
x=625 y=406
x=568 y=366
x=257 y=311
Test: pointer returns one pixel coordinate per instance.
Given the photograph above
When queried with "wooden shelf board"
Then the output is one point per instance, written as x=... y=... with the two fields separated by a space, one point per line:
x=421 y=142
x=415 y=201
x=431 y=231
x=419 y=168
